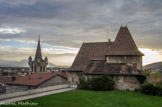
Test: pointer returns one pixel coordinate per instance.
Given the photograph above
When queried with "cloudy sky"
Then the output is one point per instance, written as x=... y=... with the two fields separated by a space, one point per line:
x=64 y=24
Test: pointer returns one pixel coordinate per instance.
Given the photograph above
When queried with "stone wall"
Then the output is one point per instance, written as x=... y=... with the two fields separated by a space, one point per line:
x=54 y=81
x=32 y=91
x=73 y=77
x=15 y=88
x=126 y=82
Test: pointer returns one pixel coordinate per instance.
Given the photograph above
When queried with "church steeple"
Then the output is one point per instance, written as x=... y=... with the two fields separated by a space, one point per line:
x=38 y=54
x=39 y=64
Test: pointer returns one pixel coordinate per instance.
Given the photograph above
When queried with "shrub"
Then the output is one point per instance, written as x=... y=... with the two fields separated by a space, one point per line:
x=141 y=79
x=150 y=89
x=159 y=88
x=159 y=84
x=4 y=73
x=97 y=83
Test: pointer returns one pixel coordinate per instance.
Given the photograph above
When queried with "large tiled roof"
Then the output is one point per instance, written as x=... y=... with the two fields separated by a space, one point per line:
x=87 y=52
x=123 y=45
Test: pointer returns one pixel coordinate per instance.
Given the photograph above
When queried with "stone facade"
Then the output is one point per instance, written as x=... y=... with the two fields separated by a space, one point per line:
x=123 y=82
x=126 y=82
x=38 y=64
x=73 y=77
x=54 y=81
x=129 y=60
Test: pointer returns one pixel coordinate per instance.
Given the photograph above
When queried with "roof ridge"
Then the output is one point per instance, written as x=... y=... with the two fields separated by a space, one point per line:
x=96 y=42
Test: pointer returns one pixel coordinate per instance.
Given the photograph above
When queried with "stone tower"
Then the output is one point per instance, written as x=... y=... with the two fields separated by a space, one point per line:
x=38 y=64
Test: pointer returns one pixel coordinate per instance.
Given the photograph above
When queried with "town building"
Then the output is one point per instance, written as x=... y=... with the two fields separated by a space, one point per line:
x=35 y=80
x=38 y=64
x=120 y=59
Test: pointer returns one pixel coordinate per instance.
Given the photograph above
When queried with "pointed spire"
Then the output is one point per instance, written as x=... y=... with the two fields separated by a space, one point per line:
x=38 y=54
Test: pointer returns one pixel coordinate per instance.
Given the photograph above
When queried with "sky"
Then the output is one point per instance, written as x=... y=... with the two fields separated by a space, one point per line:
x=64 y=25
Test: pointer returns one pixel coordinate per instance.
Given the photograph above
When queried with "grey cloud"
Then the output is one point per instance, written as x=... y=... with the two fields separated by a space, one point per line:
x=69 y=22
x=19 y=54
x=18 y=2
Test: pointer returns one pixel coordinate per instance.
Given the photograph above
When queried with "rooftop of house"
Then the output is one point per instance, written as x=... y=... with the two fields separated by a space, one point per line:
x=21 y=71
x=35 y=79
x=4 y=79
x=123 y=45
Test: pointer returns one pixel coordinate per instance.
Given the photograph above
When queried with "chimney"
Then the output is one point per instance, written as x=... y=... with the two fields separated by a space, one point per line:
x=109 y=43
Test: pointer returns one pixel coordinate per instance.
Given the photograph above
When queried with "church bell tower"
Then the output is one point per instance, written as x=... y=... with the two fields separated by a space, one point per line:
x=38 y=64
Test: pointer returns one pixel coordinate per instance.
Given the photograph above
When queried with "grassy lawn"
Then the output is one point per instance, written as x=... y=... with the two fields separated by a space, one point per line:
x=84 y=98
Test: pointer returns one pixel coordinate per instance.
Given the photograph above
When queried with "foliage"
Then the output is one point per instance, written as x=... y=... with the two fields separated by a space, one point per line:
x=141 y=79
x=4 y=73
x=150 y=89
x=159 y=84
x=146 y=72
x=149 y=73
x=97 y=83
x=159 y=88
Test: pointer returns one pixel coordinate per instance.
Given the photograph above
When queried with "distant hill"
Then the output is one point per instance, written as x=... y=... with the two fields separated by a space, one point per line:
x=156 y=65
x=22 y=63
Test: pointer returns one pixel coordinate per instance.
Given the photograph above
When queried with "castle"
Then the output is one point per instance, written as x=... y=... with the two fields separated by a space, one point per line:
x=120 y=59
x=38 y=64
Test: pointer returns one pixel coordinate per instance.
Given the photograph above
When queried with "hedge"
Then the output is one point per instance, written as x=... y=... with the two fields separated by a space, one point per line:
x=150 y=89
x=99 y=83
